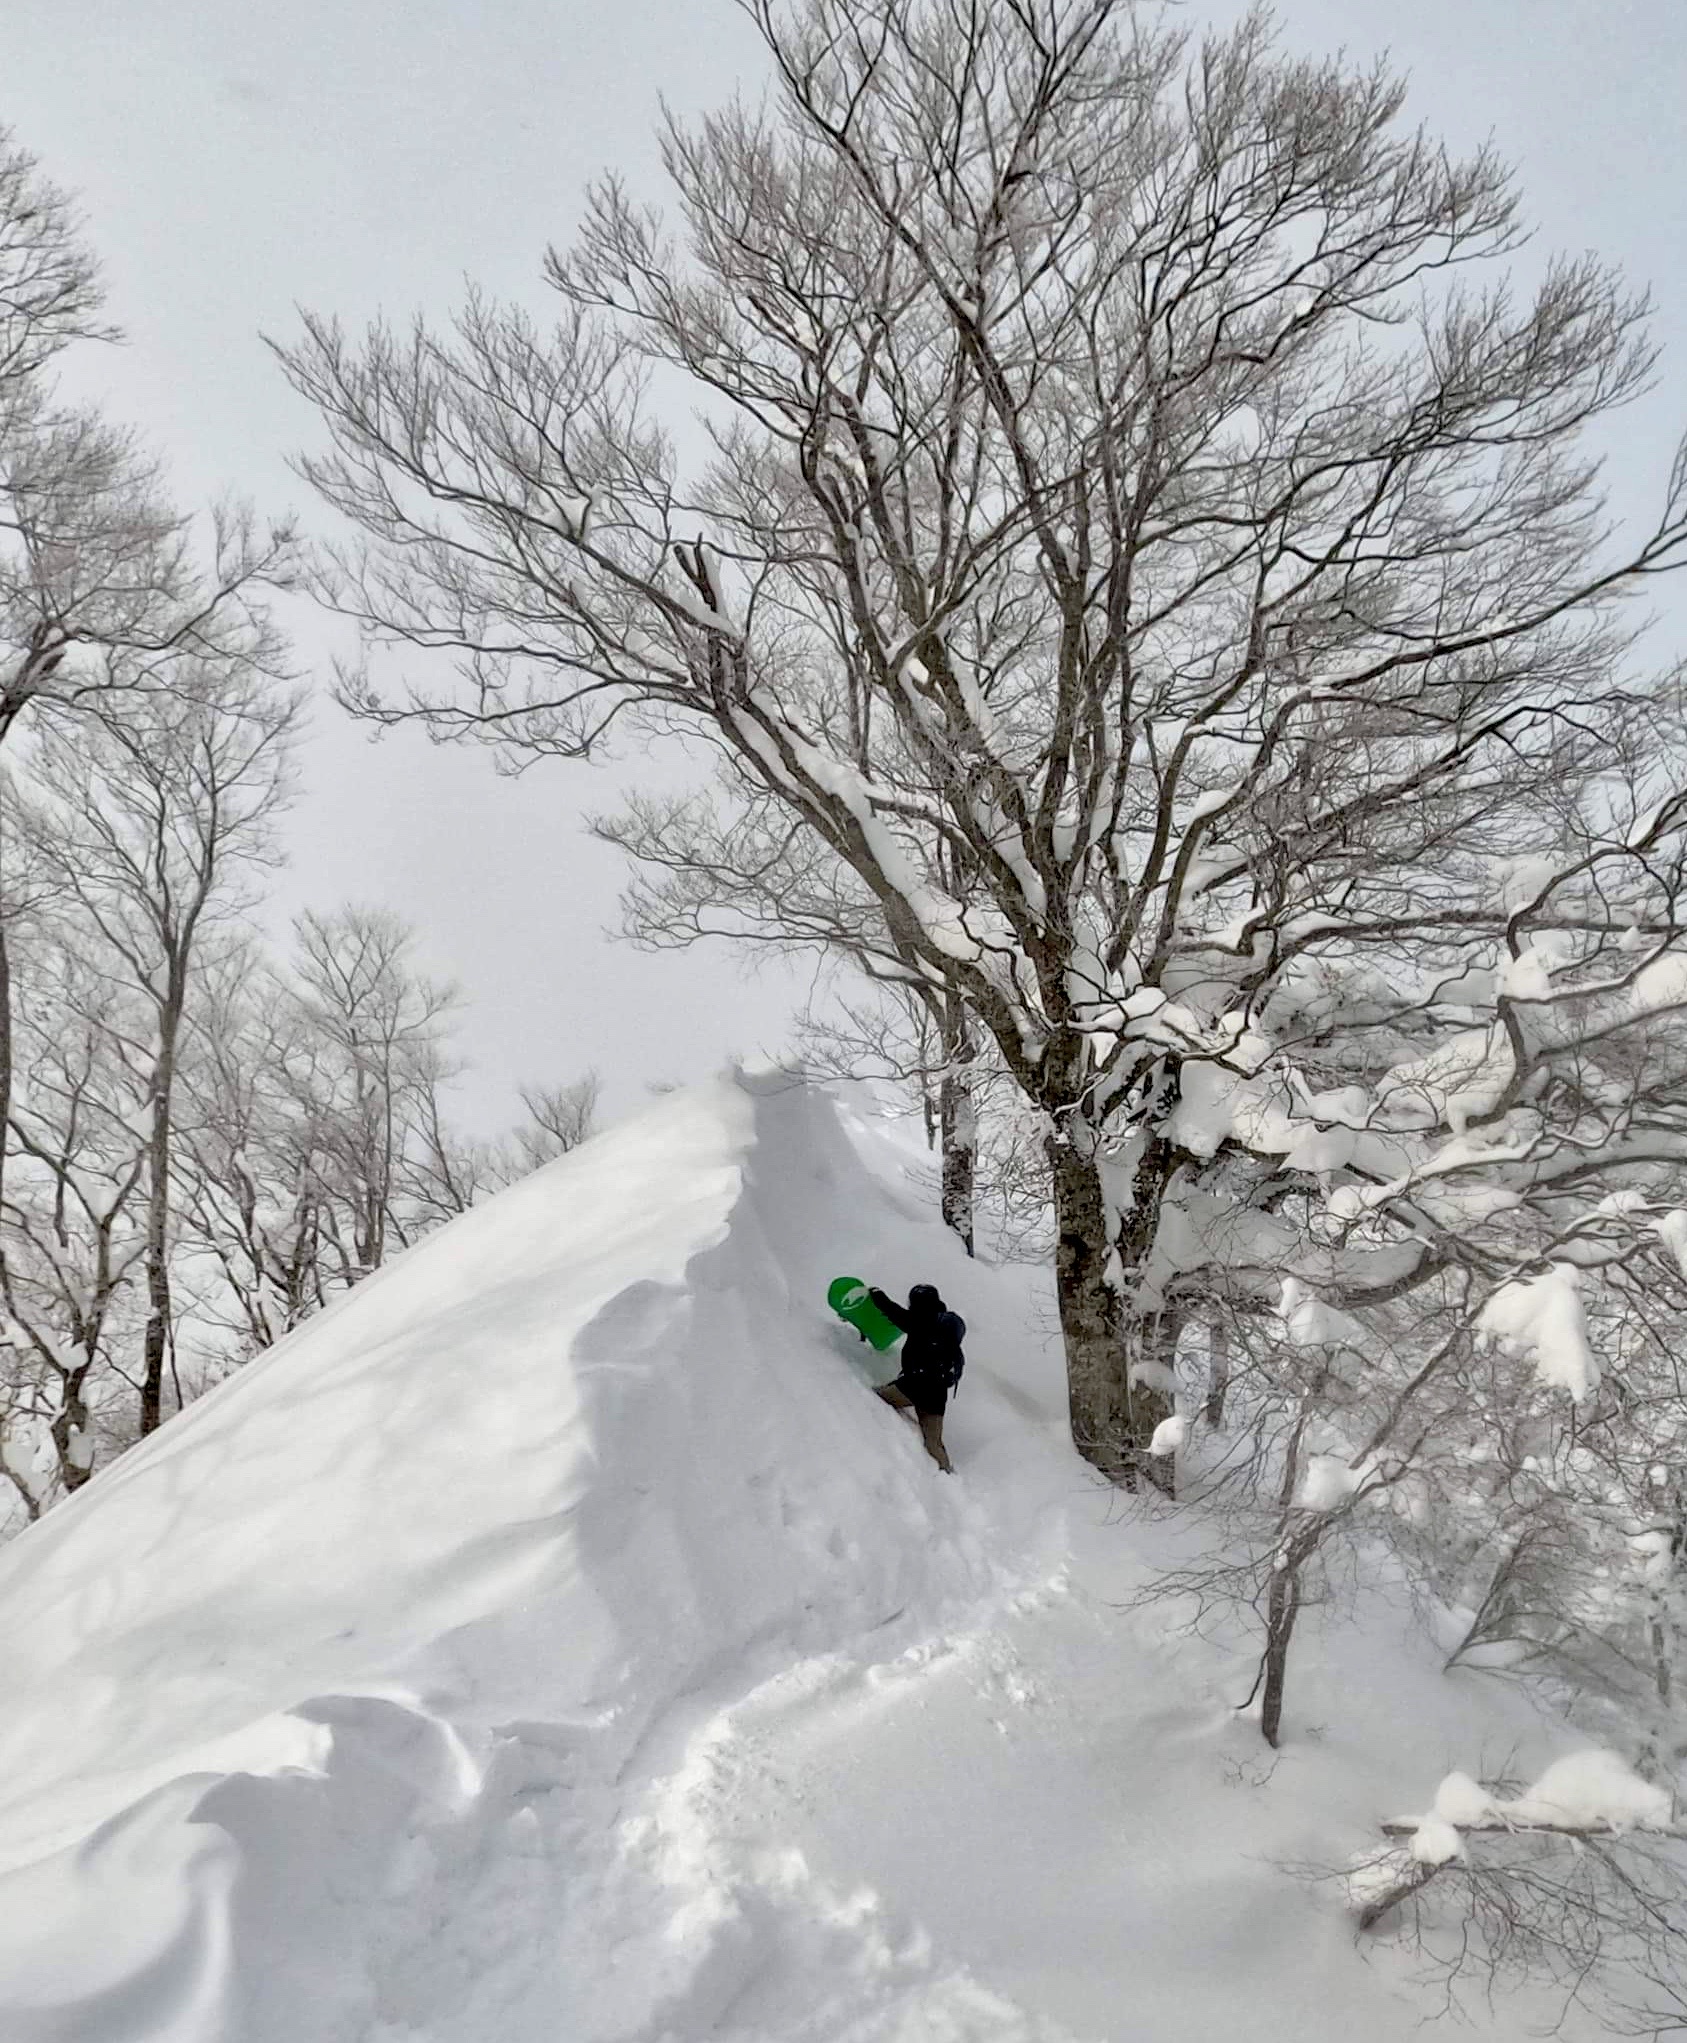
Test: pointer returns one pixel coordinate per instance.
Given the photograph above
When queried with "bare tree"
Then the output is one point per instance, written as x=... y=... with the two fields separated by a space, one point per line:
x=559 y=1119
x=51 y=291
x=449 y=1172
x=105 y=589
x=90 y=554
x=156 y=820
x=1129 y=548
x=72 y=1225
x=255 y=1168
x=382 y=1022
x=316 y=1137
x=1563 y=1886
x=890 y=1034
x=1527 y=1498
x=738 y=866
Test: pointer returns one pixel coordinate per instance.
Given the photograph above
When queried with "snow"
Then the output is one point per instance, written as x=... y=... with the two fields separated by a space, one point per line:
x=554 y=1639
x=1589 y=1789
x=1346 y=1106
x=1169 y=1435
x=1209 y=804
x=1648 y=821
x=1216 y=1102
x=941 y=917
x=1661 y=985
x=1461 y=1800
x=1461 y=1081
x=1672 y=1232
x=1322 y=1150
x=1528 y=976
x=678 y=592
x=1435 y=1843
x=1247 y=1048
x=1375 y=1875
x=1543 y=1317
x=455 y=1555
x=1655 y=1550
x=1327 y=1483
x=1310 y=1322
x=1311 y=922
x=1523 y=880
x=1458 y=1199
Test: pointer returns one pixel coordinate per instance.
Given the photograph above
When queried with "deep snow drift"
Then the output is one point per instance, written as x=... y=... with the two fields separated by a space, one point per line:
x=555 y=1643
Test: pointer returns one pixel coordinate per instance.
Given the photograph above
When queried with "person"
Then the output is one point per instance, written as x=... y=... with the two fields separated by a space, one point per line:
x=931 y=1359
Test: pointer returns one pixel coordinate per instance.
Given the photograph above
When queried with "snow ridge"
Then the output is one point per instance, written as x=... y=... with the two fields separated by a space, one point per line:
x=385 y=1695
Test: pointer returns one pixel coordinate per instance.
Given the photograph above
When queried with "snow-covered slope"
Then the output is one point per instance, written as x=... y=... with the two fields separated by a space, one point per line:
x=554 y=1643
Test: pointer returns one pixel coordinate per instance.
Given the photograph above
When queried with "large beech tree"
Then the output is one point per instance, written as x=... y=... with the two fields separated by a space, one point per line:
x=1148 y=542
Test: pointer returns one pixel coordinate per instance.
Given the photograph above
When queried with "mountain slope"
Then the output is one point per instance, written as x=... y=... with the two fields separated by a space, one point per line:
x=555 y=1640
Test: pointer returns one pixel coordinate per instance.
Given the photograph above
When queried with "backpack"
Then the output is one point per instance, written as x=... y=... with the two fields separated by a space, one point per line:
x=957 y=1361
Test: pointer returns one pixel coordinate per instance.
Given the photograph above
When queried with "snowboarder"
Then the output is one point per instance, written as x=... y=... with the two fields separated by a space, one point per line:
x=932 y=1362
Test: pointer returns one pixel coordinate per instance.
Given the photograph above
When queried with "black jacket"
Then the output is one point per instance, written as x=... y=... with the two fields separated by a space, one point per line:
x=932 y=1352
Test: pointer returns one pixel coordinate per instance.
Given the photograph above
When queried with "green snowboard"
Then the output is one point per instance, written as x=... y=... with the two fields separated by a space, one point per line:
x=849 y=1299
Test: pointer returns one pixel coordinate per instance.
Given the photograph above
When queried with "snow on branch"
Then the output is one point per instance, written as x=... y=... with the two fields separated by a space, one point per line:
x=1589 y=1794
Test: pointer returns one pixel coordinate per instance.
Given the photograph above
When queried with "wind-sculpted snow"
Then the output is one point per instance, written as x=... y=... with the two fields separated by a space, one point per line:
x=395 y=1618
x=555 y=1643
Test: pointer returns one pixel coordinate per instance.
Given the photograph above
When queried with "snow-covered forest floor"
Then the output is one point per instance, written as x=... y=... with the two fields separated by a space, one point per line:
x=554 y=1639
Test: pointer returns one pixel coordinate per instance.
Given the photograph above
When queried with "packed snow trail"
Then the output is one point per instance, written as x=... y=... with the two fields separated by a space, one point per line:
x=554 y=1642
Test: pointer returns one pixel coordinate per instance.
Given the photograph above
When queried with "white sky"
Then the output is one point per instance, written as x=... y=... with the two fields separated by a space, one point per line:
x=237 y=160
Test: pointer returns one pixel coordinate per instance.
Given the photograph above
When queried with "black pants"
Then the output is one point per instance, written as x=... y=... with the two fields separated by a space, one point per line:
x=931 y=1423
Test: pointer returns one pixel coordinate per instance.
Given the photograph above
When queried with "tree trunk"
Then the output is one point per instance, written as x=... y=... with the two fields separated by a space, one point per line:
x=46 y=649
x=958 y=1122
x=5 y=1011
x=1412 y=1880
x=70 y=1423
x=1218 y=1371
x=1151 y=1400
x=1112 y=1422
x=5 y=1047
x=1282 y=1607
x=1153 y=1376
x=1282 y=1602
x=157 y=1340
x=1661 y=1628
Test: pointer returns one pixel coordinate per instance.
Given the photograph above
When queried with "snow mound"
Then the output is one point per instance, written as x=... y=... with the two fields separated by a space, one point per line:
x=1459 y=1799
x=1593 y=1789
x=1590 y=1789
x=1435 y=1843
x=351 y=1705
x=1543 y=1318
x=1327 y=1483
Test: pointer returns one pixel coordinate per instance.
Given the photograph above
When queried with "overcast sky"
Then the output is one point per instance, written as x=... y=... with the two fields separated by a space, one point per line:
x=361 y=156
